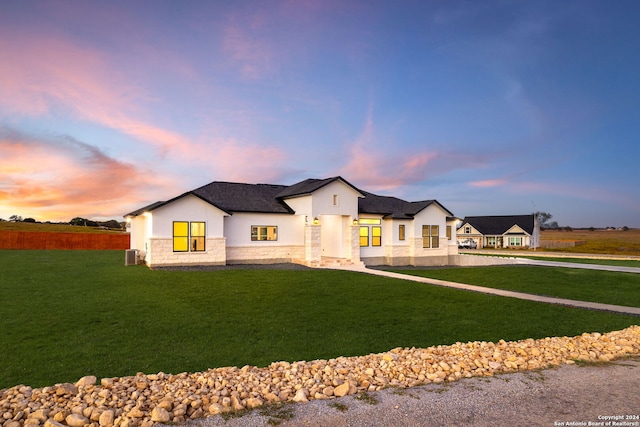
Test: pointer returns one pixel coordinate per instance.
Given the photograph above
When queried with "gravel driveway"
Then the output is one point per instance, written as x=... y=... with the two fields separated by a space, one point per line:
x=566 y=396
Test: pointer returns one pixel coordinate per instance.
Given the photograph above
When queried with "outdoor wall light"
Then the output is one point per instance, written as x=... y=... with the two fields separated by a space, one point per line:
x=355 y=222
x=316 y=221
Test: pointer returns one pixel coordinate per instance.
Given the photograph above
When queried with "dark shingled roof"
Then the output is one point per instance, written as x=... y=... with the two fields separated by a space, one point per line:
x=236 y=197
x=497 y=225
x=147 y=208
x=268 y=198
x=392 y=207
x=310 y=185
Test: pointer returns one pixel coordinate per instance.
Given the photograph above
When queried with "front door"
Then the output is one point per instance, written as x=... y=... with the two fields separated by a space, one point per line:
x=332 y=237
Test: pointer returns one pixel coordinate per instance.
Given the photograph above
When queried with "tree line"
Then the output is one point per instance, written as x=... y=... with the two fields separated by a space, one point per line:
x=545 y=224
x=77 y=221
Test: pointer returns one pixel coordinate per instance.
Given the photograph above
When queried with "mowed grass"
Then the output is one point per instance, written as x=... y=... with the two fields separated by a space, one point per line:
x=66 y=314
x=584 y=285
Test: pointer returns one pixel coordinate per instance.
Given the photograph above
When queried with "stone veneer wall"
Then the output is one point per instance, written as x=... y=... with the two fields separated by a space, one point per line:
x=312 y=247
x=429 y=256
x=160 y=253
x=352 y=243
x=397 y=255
x=267 y=254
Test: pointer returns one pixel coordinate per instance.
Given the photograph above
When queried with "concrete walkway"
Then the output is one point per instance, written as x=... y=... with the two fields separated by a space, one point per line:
x=620 y=269
x=511 y=294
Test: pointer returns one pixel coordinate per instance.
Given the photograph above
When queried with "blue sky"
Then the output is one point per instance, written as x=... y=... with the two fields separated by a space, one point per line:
x=492 y=107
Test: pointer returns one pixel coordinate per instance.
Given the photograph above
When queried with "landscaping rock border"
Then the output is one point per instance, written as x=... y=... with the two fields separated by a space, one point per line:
x=143 y=400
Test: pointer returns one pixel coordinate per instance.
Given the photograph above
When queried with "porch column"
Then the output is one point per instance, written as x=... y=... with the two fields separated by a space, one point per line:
x=352 y=249
x=312 y=245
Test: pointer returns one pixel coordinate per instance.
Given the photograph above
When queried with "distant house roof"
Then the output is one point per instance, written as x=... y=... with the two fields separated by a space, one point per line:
x=269 y=198
x=498 y=225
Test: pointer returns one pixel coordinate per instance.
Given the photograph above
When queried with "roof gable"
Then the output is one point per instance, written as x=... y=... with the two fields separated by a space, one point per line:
x=310 y=185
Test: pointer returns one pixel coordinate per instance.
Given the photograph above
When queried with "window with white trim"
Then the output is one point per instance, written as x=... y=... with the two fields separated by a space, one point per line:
x=430 y=236
x=264 y=232
x=370 y=232
x=515 y=241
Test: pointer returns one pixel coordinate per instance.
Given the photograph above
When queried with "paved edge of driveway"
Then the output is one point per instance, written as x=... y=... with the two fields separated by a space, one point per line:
x=635 y=311
x=615 y=268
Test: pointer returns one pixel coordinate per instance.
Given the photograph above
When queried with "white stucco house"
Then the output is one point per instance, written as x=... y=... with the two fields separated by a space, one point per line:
x=313 y=222
x=501 y=231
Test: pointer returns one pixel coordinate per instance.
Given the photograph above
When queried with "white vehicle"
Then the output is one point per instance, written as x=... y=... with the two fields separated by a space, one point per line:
x=467 y=244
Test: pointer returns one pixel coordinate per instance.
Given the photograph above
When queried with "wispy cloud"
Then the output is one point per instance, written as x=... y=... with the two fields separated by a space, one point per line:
x=248 y=50
x=65 y=78
x=60 y=175
x=488 y=183
x=233 y=160
x=381 y=165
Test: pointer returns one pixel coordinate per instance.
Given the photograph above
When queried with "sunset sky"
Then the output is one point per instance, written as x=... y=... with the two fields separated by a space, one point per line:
x=490 y=107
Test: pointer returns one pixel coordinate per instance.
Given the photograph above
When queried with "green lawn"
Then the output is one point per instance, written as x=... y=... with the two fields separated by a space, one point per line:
x=66 y=314
x=584 y=285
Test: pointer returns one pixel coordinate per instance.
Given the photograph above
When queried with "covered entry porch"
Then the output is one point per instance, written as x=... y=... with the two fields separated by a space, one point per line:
x=332 y=240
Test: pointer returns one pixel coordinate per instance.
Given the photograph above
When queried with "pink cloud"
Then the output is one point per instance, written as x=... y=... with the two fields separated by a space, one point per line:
x=245 y=162
x=59 y=178
x=40 y=75
x=382 y=167
x=488 y=183
x=57 y=76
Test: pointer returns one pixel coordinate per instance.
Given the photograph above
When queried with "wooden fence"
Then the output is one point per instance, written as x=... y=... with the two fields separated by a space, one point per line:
x=53 y=240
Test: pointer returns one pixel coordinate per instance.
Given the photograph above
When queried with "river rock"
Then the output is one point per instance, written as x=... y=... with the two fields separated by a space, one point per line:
x=341 y=390
x=76 y=420
x=106 y=418
x=160 y=415
x=87 y=381
x=66 y=388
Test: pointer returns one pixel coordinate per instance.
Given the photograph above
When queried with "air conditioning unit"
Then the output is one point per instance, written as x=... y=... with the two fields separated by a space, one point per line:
x=131 y=257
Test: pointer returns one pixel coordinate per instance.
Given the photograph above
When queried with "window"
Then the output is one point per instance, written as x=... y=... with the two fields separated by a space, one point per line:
x=401 y=232
x=336 y=200
x=181 y=236
x=264 y=232
x=448 y=232
x=197 y=236
x=491 y=241
x=189 y=237
x=376 y=236
x=430 y=236
x=369 y=221
x=467 y=230
x=364 y=236
x=370 y=227
x=515 y=241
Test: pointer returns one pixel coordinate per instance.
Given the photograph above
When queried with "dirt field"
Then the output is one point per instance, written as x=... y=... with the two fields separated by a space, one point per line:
x=616 y=242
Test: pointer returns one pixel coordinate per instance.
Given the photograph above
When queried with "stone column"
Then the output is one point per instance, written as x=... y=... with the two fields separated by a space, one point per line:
x=353 y=243
x=312 y=245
